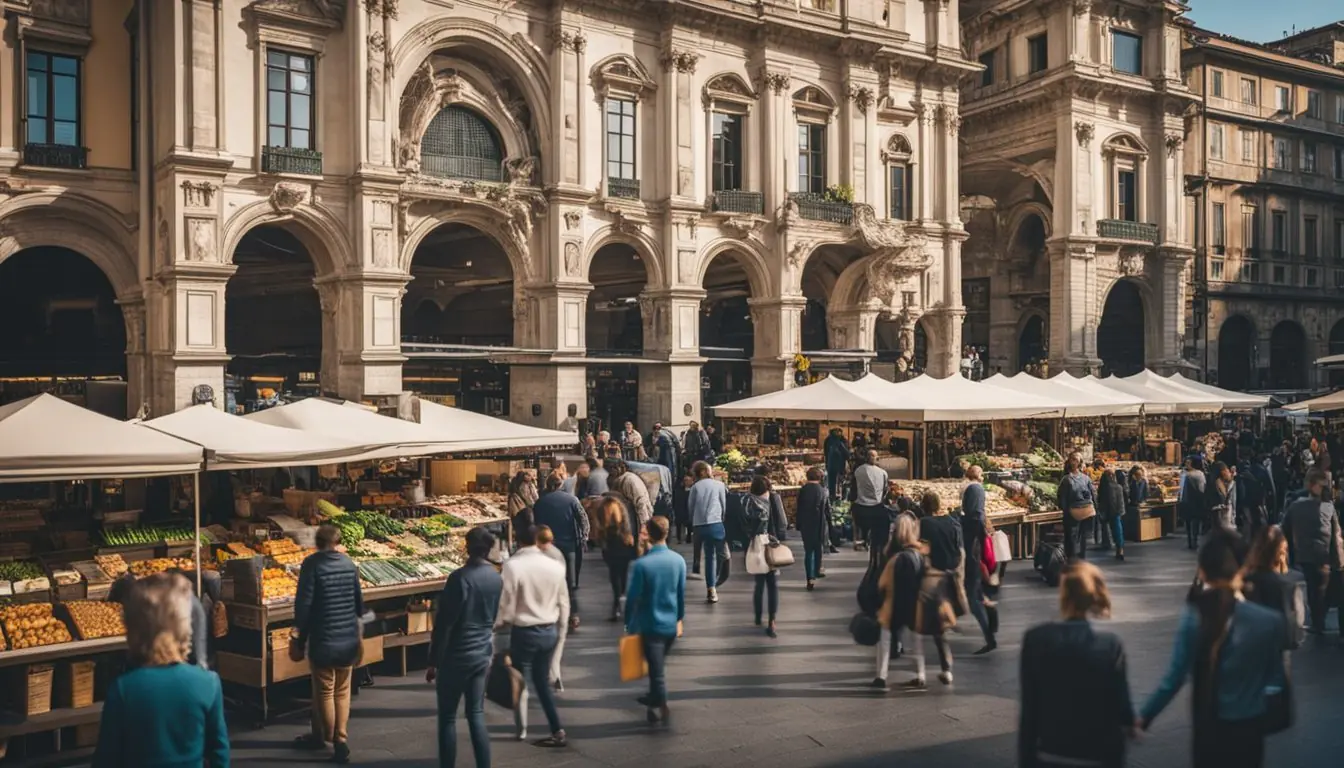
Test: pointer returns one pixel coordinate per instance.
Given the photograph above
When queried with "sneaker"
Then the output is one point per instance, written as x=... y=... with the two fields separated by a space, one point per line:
x=989 y=646
x=916 y=684
x=945 y=677
x=770 y=632
x=340 y=753
x=520 y=734
x=1120 y=555
x=878 y=683
x=651 y=715
x=713 y=596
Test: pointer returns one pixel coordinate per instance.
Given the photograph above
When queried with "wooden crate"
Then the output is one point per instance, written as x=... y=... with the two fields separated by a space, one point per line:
x=1150 y=528
x=237 y=668
x=419 y=621
x=37 y=691
x=86 y=735
x=76 y=684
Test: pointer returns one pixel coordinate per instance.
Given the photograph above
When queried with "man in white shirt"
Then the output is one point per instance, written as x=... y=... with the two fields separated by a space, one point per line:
x=534 y=602
x=868 y=512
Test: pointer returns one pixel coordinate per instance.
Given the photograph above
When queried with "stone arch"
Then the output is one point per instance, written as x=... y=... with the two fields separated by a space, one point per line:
x=647 y=248
x=77 y=223
x=481 y=217
x=897 y=148
x=748 y=254
x=523 y=61
x=813 y=97
x=1151 y=327
x=321 y=233
x=1028 y=318
x=852 y=287
x=800 y=256
x=1236 y=368
x=1024 y=211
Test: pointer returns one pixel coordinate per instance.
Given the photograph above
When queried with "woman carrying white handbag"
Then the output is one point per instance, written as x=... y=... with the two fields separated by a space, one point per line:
x=766 y=527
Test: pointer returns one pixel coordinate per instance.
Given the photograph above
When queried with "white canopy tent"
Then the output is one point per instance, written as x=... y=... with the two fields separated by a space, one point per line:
x=478 y=432
x=1161 y=396
x=232 y=442
x=830 y=399
x=1331 y=402
x=44 y=438
x=1231 y=400
x=1080 y=398
x=956 y=398
x=389 y=437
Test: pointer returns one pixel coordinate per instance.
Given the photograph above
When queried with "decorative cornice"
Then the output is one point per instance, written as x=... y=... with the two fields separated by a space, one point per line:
x=565 y=40
x=386 y=9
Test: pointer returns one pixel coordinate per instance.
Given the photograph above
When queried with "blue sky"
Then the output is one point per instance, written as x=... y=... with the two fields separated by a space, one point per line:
x=1261 y=21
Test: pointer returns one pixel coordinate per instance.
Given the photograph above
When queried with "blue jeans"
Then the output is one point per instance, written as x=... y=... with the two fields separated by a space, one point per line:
x=1118 y=531
x=530 y=652
x=656 y=649
x=812 y=560
x=453 y=686
x=712 y=536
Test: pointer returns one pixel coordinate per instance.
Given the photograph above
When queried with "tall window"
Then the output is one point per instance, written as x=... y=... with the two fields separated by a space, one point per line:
x=1218 y=228
x=289 y=100
x=1283 y=98
x=53 y=99
x=1217 y=83
x=1279 y=231
x=1281 y=154
x=1314 y=104
x=1250 y=230
x=1309 y=235
x=1247 y=146
x=135 y=99
x=1216 y=142
x=1038 y=53
x=987 y=61
x=1339 y=162
x=1248 y=91
x=898 y=191
x=1339 y=240
x=726 y=133
x=1127 y=195
x=812 y=158
x=1308 y=157
x=1127 y=52
x=621 y=178
x=1339 y=109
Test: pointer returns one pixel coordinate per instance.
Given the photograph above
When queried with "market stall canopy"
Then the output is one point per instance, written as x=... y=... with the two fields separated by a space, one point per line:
x=1079 y=397
x=1231 y=400
x=954 y=398
x=1161 y=396
x=1331 y=402
x=830 y=399
x=391 y=437
x=232 y=442
x=478 y=432
x=45 y=438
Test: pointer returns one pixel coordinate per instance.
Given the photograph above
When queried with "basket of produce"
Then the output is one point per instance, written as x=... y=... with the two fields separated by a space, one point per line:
x=93 y=620
x=33 y=625
x=278 y=584
x=20 y=577
x=143 y=568
x=113 y=565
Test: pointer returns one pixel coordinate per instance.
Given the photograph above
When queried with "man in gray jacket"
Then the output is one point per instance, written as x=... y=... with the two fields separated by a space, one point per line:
x=1311 y=526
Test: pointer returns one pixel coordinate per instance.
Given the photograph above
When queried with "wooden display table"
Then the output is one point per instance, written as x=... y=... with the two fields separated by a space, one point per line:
x=64 y=717
x=1152 y=522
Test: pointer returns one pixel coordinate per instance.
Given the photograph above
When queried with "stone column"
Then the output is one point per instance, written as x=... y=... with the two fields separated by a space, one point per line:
x=672 y=333
x=560 y=321
x=860 y=165
x=361 y=334
x=1074 y=306
x=137 y=360
x=772 y=85
x=1171 y=204
x=927 y=152
x=778 y=324
x=942 y=328
x=568 y=105
x=541 y=395
x=681 y=110
x=185 y=320
x=1171 y=268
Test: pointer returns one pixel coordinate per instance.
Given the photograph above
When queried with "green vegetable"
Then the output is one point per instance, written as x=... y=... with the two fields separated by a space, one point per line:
x=731 y=461
x=20 y=570
x=378 y=525
x=350 y=528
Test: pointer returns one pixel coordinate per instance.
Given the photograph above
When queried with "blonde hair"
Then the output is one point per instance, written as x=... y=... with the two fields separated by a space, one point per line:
x=907 y=530
x=545 y=536
x=1083 y=593
x=158 y=620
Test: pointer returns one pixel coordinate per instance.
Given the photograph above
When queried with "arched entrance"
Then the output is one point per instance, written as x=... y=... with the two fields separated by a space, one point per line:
x=457 y=312
x=1236 y=354
x=821 y=286
x=614 y=333
x=1120 y=337
x=1032 y=344
x=727 y=334
x=1288 y=357
x=273 y=324
x=1337 y=348
x=62 y=330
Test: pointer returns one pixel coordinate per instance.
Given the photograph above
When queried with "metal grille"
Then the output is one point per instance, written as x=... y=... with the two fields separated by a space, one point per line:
x=460 y=144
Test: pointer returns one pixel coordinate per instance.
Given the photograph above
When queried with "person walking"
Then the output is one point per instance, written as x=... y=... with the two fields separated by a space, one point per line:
x=1219 y=504
x=1112 y=501
x=836 y=452
x=522 y=492
x=162 y=711
x=631 y=487
x=563 y=514
x=1068 y=661
x=1269 y=582
x=619 y=549
x=1232 y=648
x=681 y=509
x=1077 y=499
x=868 y=510
x=598 y=479
x=655 y=608
x=327 y=611
x=546 y=543
x=708 y=500
x=942 y=534
x=813 y=520
x=534 y=600
x=900 y=584
x=460 y=647
x=1191 y=507
x=1135 y=495
x=696 y=446
x=1312 y=528
x=974 y=530
x=764 y=516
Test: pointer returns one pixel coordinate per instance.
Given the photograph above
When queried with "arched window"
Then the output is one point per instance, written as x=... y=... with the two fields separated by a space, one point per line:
x=460 y=144
x=899 y=197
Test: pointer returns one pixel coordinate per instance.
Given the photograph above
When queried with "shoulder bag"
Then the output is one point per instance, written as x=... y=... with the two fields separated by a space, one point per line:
x=777 y=554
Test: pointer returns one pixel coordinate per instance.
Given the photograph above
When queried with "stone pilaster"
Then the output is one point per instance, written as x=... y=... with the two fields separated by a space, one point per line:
x=681 y=108
x=778 y=325
x=560 y=318
x=672 y=323
x=942 y=329
x=852 y=327
x=772 y=84
x=185 y=320
x=1170 y=269
x=137 y=358
x=669 y=393
x=541 y=395
x=1074 y=306
x=927 y=154
x=361 y=335
x=569 y=104
x=861 y=166
x=204 y=92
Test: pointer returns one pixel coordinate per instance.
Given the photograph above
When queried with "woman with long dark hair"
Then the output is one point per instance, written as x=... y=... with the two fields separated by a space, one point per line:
x=617 y=538
x=1112 y=499
x=765 y=515
x=1232 y=650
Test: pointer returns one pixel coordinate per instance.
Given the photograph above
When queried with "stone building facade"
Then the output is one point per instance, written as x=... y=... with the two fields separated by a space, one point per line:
x=1267 y=155
x=1073 y=147
x=804 y=149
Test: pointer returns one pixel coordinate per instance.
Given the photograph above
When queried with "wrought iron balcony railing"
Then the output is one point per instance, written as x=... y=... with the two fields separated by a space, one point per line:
x=55 y=156
x=739 y=201
x=627 y=188
x=817 y=208
x=1119 y=229
x=307 y=162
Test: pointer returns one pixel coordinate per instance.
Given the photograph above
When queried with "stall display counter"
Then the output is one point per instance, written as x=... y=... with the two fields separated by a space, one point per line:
x=1151 y=521
x=54 y=703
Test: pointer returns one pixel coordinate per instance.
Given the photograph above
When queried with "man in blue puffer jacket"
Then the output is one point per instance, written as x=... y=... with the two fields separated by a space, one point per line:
x=327 y=614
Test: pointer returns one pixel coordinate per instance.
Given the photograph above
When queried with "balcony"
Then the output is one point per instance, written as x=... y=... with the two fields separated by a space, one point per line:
x=818 y=208
x=55 y=156
x=1118 y=229
x=627 y=188
x=738 y=201
x=306 y=162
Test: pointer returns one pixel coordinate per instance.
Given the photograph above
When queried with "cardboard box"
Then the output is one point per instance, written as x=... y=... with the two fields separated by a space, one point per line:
x=419 y=621
x=1150 y=528
x=37 y=692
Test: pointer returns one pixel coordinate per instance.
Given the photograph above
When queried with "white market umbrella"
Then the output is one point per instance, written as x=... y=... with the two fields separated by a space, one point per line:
x=233 y=442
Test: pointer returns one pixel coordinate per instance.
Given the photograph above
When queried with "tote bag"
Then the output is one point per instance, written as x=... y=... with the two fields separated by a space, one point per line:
x=1003 y=550
x=633 y=664
x=757 y=565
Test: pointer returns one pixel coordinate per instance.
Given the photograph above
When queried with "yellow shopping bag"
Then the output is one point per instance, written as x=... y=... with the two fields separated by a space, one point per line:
x=633 y=664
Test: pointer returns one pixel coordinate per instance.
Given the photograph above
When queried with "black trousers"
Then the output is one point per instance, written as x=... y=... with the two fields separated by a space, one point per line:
x=766 y=582
x=618 y=568
x=1229 y=744
x=1318 y=594
x=1076 y=533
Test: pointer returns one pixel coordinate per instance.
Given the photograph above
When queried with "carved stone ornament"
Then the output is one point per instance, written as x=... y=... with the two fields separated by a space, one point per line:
x=691 y=222
x=624 y=222
x=198 y=194
x=898 y=253
x=521 y=170
x=387 y=9
x=1130 y=264
x=1173 y=142
x=201 y=240
x=14 y=187
x=799 y=250
x=285 y=197
x=862 y=97
x=74 y=12
x=573 y=218
x=1085 y=132
x=377 y=42
x=729 y=88
x=742 y=226
x=621 y=74
x=897 y=150
x=775 y=80
x=681 y=61
x=572 y=259
x=565 y=40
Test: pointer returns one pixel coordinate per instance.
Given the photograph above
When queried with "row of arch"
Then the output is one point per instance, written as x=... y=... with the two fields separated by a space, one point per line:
x=1289 y=357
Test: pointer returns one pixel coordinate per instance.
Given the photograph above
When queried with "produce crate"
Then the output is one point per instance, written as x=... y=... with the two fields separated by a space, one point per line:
x=75 y=684
x=123 y=518
x=246 y=576
x=1150 y=528
x=419 y=621
x=280 y=639
x=30 y=693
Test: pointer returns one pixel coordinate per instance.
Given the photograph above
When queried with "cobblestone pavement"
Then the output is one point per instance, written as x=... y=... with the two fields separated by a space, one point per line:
x=741 y=699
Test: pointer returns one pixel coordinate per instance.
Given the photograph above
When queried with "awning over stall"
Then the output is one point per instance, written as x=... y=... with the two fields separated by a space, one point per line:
x=1331 y=402
x=478 y=432
x=44 y=438
x=234 y=442
x=1081 y=398
x=956 y=398
x=1162 y=396
x=1231 y=400
x=391 y=437
x=830 y=399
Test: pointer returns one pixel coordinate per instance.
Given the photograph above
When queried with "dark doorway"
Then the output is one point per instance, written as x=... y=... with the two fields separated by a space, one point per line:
x=727 y=334
x=1120 y=337
x=1337 y=348
x=1288 y=357
x=1236 y=349
x=1031 y=343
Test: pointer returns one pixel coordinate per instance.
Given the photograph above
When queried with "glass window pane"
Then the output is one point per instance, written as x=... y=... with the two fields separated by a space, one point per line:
x=276 y=79
x=1127 y=52
x=613 y=169
x=37 y=131
x=64 y=65
x=301 y=63
x=300 y=139
x=65 y=98
x=37 y=61
x=628 y=149
x=301 y=111
x=613 y=147
x=300 y=82
x=275 y=108
x=613 y=123
x=275 y=136
x=628 y=126
x=65 y=134
x=276 y=58
x=37 y=94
